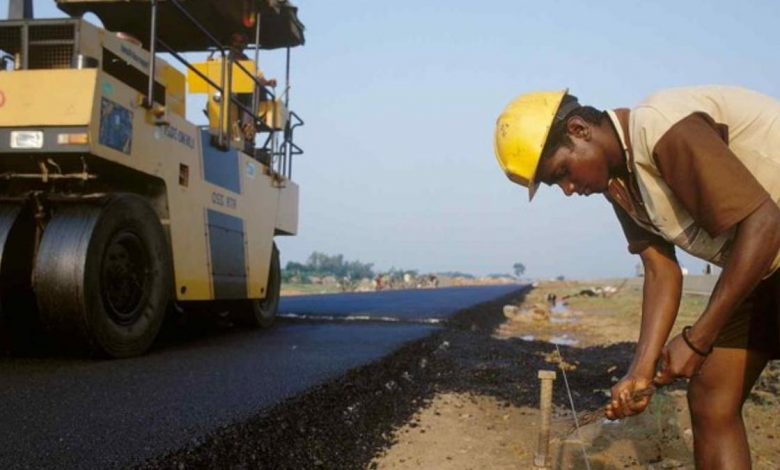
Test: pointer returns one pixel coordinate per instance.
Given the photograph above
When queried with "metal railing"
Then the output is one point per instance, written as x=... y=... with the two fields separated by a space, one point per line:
x=282 y=152
x=42 y=44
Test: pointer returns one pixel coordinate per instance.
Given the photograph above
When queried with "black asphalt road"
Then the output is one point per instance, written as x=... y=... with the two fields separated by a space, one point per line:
x=76 y=413
x=404 y=305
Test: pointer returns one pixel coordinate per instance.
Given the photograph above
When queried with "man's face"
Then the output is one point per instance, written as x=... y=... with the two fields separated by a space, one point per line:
x=581 y=168
x=238 y=41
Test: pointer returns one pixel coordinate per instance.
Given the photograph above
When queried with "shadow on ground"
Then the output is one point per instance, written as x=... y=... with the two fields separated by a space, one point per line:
x=179 y=330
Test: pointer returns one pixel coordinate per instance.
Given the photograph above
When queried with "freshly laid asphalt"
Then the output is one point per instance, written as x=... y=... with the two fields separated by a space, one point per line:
x=76 y=413
x=410 y=305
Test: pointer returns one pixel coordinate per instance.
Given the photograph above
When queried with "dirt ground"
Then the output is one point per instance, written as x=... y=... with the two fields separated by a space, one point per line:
x=467 y=431
x=467 y=397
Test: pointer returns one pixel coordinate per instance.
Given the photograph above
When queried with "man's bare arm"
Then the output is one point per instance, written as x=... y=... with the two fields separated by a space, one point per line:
x=660 y=301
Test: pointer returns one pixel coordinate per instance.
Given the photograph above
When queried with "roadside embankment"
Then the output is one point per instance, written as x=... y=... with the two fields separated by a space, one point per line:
x=467 y=397
x=693 y=284
x=476 y=429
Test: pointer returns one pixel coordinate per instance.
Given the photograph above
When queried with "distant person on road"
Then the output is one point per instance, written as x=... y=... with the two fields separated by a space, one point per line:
x=697 y=168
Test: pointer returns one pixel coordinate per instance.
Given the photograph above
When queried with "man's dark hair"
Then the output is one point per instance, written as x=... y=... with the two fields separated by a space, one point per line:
x=567 y=110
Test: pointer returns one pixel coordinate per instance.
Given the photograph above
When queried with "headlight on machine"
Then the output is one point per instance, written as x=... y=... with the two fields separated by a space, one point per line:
x=79 y=138
x=26 y=139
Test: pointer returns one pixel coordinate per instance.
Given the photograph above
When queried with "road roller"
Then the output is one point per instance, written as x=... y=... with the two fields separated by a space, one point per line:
x=114 y=207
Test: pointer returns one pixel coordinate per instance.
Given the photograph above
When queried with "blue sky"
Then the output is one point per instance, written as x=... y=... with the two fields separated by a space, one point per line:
x=400 y=99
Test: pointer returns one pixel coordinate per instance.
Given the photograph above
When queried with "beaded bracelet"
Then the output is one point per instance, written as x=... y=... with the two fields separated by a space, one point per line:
x=690 y=344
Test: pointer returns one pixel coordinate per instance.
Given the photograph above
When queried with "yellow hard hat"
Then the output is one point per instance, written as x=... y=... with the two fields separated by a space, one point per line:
x=521 y=132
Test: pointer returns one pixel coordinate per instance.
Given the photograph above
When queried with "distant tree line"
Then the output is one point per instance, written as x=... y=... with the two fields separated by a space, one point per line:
x=457 y=274
x=498 y=276
x=320 y=265
x=395 y=274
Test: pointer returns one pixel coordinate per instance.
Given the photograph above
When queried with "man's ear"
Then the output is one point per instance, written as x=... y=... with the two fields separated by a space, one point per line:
x=578 y=127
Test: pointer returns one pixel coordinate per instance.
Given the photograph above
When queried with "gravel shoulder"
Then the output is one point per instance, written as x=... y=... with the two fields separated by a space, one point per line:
x=466 y=397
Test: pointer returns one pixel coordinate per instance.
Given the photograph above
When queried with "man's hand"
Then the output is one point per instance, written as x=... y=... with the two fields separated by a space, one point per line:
x=630 y=397
x=678 y=361
x=248 y=130
x=267 y=81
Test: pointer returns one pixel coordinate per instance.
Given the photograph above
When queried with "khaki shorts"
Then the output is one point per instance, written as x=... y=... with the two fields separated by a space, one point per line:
x=755 y=324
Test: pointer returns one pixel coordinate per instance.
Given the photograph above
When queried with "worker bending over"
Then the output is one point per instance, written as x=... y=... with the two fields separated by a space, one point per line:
x=697 y=168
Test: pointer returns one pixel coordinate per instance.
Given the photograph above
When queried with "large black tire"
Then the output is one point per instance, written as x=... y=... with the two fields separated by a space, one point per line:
x=103 y=277
x=255 y=313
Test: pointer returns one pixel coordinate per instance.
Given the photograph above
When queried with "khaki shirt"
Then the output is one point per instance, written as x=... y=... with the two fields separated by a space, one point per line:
x=700 y=160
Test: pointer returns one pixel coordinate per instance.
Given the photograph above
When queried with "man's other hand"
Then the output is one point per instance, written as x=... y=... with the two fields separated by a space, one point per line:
x=678 y=360
x=628 y=398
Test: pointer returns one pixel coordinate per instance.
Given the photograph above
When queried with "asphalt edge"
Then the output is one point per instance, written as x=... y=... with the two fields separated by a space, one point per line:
x=368 y=405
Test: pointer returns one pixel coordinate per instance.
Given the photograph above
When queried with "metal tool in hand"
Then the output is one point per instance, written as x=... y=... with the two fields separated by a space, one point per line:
x=589 y=417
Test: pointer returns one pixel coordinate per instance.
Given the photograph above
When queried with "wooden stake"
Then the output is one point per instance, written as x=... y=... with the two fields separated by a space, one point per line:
x=546 y=378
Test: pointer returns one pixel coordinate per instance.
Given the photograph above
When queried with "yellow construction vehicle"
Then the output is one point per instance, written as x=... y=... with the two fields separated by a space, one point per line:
x=112 y=203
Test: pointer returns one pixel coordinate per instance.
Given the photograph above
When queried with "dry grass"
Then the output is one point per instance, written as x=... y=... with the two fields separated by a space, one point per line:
x=665 y=428
x=309 y=289
x=626 y=306
x=614 y=318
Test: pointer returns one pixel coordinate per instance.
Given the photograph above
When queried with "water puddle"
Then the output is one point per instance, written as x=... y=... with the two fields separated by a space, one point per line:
x=563 y=340
x=562 y=321
x=359 y=318
x=560 y=340
x=558 y=314
x=559 y=308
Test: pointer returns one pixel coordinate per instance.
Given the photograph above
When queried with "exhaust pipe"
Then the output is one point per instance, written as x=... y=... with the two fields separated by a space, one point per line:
x=20 y=10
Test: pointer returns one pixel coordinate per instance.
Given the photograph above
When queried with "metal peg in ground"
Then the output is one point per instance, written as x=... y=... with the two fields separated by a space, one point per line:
x=541 y=458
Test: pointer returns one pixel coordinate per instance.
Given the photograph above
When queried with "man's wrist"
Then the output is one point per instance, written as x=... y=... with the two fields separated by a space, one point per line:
x=701 y=337
x=642 y=369
x=695 y=348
